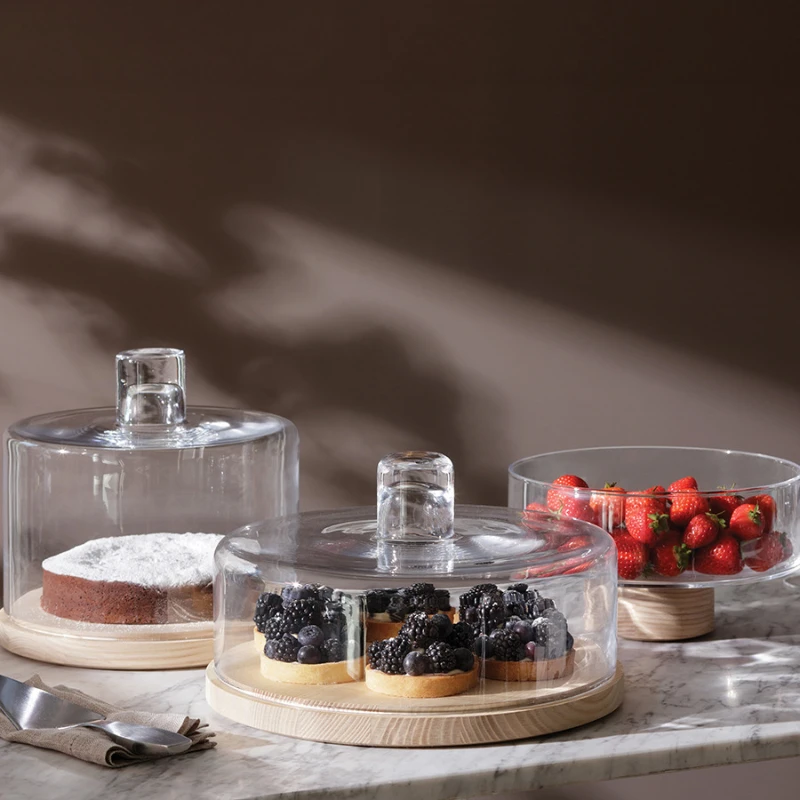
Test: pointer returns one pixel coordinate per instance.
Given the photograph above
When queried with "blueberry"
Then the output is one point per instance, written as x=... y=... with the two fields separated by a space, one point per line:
x=464 y=659
x=291 y=593
x=443 y=625
x=530 y=651
x=570 y=641
x=416 y=663
x=269 y=648
x=524 y=630
x=483 y=646
x=512 y=621
x=309 y=655
x=311 y=635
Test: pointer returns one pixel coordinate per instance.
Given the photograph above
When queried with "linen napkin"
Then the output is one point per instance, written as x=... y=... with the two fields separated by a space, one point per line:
x=94 y=746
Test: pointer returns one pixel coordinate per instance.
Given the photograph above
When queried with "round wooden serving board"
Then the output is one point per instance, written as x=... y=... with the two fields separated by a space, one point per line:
x=664 y=613
x=45 y=637
x=350 y=713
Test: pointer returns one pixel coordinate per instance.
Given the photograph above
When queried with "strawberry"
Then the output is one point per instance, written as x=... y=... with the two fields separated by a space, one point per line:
x=685 y=505
x=609 y=509
x=769 y=553
x=647 y=497
x=683 y=484
x=537 y=507
x=702 y=530
x=766 y=505
x=723 y=557
x=575 y=508
x=670 y=557
x=631 y=556
x=555 y=498
x=574 y=543
x=723 y=505
x=646 y=522
x=747 y=522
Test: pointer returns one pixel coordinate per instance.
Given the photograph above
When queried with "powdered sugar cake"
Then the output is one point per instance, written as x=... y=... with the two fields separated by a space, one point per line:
x=143 y=579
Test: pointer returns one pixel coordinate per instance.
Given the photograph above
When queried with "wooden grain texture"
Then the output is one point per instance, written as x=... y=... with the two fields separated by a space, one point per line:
x=664 y=613
x=377 y=728
x=241 y=667
x=80 y=649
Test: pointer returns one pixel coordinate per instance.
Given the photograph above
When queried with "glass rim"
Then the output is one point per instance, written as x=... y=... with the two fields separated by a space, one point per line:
x=513 y=470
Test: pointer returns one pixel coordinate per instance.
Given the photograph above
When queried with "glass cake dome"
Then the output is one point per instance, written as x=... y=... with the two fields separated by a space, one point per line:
x=112 y=515
x=328 y=625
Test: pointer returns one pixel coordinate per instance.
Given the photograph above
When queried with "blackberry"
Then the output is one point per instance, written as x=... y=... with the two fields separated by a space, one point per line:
x=428 y=603
x=461 y=635
x=311 y=635
x=490 y=616
x=550 y=635
x=398 y=608
x=472 y=597
x=332 y=650
x=522 y=588
x=275 y=627
x=283 y=649
x=378 y=601
x=393 y=654
x=443 y=625
x=443 y=599
x=416 y=663
x=515 y=602
x=308 y=654
x=419 y=630
x=465 y=659
x=334 y=622
x=555 y=616
x=267 y=606
x=299 y=613
x=374 y=653
x=422 y=597
x=508 y=647
x=441 y=656
x=534 y=604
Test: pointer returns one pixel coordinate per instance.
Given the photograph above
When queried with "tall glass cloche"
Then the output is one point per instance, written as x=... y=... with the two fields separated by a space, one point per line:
x=424 y=623
x=112 y=516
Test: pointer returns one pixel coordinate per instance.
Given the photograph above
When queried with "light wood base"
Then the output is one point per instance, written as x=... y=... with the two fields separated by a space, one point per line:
x=75 y=644
x=664 y=613
x=351 y=714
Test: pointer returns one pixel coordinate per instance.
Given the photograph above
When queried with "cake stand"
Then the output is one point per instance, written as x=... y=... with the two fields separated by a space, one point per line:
x=103 y=564
x=484 y=568
x=667 y=607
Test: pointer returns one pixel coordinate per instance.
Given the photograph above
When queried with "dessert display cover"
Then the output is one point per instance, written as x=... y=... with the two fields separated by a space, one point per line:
x=113 y=516
x=331 y=624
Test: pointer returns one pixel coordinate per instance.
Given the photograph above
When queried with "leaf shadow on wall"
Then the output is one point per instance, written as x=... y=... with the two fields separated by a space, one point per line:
x=71 y=234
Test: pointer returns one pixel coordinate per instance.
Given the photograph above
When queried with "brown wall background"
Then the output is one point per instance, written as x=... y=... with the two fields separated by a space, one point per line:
x=486 y=229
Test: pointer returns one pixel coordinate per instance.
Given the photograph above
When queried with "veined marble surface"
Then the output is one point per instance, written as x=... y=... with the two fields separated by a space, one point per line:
x=727 y=698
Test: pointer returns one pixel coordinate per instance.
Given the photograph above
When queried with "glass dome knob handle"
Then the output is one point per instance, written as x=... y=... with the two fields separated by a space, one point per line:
x=151 y=387
x=415 y=496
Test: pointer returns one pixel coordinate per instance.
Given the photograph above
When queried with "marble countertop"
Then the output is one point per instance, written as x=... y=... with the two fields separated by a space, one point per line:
x=728 y=698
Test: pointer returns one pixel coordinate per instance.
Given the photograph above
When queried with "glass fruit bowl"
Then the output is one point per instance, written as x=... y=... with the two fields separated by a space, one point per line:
x=680 y=516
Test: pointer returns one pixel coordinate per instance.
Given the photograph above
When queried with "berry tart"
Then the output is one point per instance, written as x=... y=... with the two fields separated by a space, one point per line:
x=517 y=634
x=304 y=637
x=387 y=609
x=429 y=657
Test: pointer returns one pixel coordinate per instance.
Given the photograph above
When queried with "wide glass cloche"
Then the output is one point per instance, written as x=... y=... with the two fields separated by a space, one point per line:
x=424 y=623
x=112 y=516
